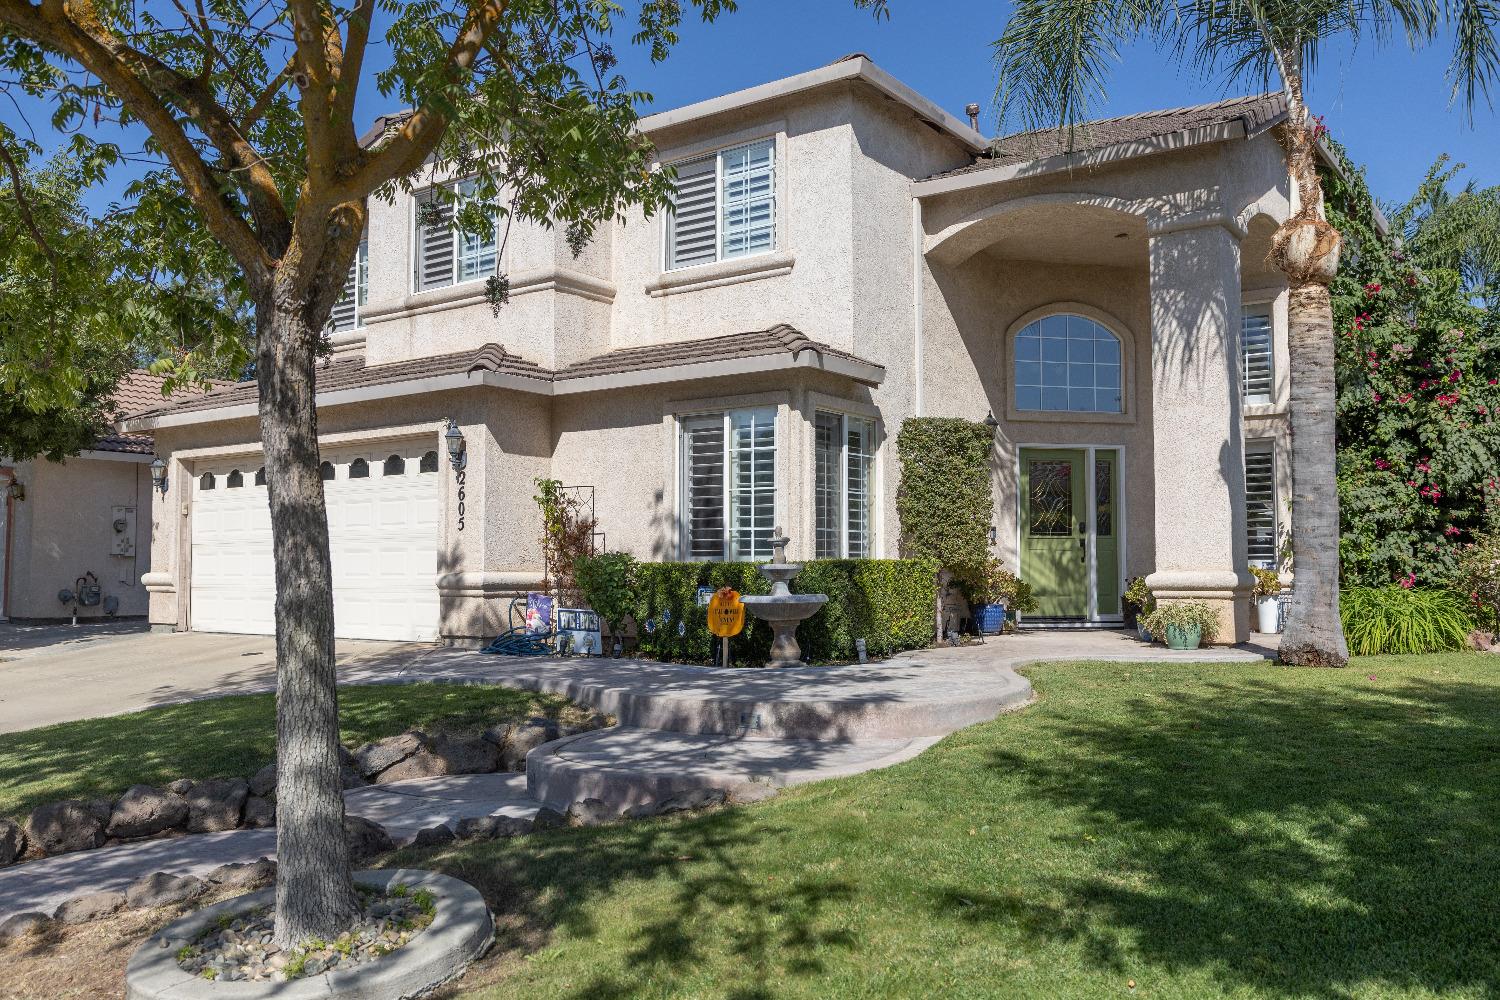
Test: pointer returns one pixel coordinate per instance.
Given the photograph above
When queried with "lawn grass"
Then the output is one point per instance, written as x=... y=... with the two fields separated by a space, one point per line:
x=1145 y=830
x=225 y=737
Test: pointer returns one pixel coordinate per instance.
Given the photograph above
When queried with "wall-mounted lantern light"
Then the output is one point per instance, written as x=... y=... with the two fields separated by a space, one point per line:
x=991 y=422
x=15 y=491
x=159 y=474
x=457 y=451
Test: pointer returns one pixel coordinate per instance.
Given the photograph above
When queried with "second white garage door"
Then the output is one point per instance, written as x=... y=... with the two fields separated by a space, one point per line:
x=383 y=533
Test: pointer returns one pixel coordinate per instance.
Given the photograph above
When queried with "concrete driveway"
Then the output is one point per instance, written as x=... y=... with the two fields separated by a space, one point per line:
x=84 y=675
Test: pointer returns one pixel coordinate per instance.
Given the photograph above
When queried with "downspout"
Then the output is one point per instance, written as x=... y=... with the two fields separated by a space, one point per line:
x=916 y=305
x=7 y=477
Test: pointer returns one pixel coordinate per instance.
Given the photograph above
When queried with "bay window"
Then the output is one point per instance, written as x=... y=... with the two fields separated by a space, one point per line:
x=843 y=467
x=729 y=484
x=723 y=206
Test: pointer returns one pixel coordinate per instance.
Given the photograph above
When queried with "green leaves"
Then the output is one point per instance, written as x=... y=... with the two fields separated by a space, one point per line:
x=946 y=499
x=1403 y=620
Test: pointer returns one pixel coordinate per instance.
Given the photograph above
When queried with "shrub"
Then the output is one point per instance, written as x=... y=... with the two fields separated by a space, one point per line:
x=1479 y=577
x=607 y=583
x=1401 y=620
x=945 y=501
x=1138 y=595
x=886 y=602
x=1183 y=615
x=567 y=536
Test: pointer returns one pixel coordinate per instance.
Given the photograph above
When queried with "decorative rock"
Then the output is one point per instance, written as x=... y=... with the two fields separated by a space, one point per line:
x=422 y=764
x=699 y=798
x=12 y=841
x=366 y=839
x=492 y=827
x=216 y=804
x=143 y=811
x=62 y=827
x=499 y=733
x=259 y=812
x=372 y=758
x=100 y=808
x=160 y=889
x=525 y=738
x=263 y=782
x=181 y=786
x=253 y=875
x=350 y=777
x=640 y=811
x=591 y=812
x=90 y=907
x=591 y=722
x=467 y=754
x=547 y=818
x=22 y=924
x=433 y=836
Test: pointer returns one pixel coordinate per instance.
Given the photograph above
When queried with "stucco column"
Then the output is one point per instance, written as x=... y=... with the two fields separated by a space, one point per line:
x=1196 y=419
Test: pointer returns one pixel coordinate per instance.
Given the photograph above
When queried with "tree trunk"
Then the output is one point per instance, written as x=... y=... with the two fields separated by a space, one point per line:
x=314 y=889
x=1306 y=248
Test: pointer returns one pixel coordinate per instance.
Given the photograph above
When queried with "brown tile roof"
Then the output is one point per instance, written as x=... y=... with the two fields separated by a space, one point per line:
x=778 y=339
x=352 y=372
x=1256 y=112
x=140 y=390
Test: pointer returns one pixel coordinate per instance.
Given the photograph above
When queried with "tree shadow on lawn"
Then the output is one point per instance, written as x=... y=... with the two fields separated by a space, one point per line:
x=1300 y=840
x=550 y=884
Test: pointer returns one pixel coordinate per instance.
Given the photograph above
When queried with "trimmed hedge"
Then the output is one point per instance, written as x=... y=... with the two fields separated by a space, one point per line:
x=886 y=602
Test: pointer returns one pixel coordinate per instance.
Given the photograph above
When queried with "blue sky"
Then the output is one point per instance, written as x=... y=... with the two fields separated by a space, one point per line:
x=1389 y=106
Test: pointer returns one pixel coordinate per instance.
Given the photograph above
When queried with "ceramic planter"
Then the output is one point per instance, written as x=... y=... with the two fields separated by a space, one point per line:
x=1143 y=635
x=1268 y=613
x=990 y=618
x=1184 y=637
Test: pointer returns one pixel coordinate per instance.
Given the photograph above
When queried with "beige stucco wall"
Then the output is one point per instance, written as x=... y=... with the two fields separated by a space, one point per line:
x=64 y=528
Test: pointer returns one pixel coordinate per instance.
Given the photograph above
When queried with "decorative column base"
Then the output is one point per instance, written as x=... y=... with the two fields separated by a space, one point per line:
x=1228 y=593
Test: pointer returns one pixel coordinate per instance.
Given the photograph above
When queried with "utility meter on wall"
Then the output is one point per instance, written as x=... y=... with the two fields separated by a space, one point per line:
x=122 y=519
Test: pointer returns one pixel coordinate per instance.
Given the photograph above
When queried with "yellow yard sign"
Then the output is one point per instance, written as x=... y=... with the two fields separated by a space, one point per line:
x=726 y=613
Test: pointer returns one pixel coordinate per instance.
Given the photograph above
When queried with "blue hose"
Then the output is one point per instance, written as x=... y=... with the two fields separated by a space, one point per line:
x=518 y=640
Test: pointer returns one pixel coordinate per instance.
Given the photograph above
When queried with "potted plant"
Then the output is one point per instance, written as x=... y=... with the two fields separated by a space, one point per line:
x=1265 y=594
x=607 y=583
x=1183 y=624
x=1138 y=603
x=997 y=594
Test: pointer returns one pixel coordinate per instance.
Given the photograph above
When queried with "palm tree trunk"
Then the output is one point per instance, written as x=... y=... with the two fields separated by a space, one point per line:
x=314 y=888
x=1306 y=249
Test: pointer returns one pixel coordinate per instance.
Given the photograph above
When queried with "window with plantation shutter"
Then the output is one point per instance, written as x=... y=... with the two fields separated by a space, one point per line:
x=443 y=255
x=346 y=310
x=729 y=484
x=1256 y=368
x=843 y=463
x=723 y=206
x=1260 y=506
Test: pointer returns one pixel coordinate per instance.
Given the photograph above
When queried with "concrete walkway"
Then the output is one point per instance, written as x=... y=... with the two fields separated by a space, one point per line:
x=681 y=728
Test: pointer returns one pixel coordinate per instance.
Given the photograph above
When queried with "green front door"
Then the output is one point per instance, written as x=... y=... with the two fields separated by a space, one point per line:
x=1054 y=532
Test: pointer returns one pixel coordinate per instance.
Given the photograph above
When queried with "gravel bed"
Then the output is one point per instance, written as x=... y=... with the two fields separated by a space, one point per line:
x=241 y=949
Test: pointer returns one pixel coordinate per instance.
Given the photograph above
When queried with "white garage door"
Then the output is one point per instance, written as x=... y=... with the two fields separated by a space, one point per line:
x=383 y=532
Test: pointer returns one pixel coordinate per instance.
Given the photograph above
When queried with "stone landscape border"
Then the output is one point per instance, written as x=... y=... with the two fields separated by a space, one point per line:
x=461 y=931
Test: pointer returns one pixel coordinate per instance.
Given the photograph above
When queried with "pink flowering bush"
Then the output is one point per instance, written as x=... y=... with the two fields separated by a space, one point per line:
x=1418 y=367
x=1479 y=578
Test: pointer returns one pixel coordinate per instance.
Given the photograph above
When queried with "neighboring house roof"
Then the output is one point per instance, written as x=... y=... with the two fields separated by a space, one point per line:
x=140 y=390
x=1255 y=113
x=349 y=379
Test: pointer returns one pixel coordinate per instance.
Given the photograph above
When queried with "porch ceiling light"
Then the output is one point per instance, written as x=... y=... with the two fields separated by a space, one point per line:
x=454 y=439
x=159 y=475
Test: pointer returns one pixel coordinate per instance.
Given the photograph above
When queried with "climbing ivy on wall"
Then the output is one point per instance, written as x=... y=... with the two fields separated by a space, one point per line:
x=946 y=502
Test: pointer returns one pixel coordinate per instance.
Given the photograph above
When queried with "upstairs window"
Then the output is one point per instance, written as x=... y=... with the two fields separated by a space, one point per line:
x=843 y=466
x=444 y=256
x=1257 y=368
x=729 y=484
x=346 y=311
x=724 y=206
x=1068 y=363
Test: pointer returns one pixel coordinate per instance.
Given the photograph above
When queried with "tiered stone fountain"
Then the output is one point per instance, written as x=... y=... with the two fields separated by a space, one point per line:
x=782 y=609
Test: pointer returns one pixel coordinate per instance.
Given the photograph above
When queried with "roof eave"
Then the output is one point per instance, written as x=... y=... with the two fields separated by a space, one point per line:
x=857 y=68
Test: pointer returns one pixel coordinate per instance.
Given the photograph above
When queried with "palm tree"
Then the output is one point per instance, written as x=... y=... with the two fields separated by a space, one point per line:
x=1052 y=66
x=1459 y=232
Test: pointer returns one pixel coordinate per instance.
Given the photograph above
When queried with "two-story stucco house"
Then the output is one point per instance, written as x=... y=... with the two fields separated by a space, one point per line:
x=844 y=255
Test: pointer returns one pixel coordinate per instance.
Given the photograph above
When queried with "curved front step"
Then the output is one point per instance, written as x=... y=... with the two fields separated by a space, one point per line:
x=626 y=766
